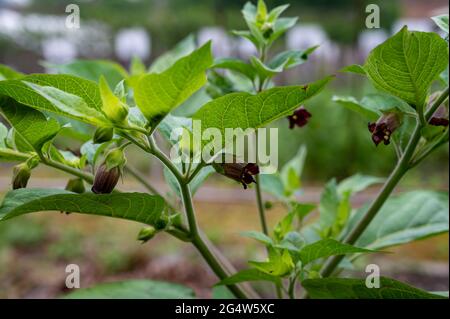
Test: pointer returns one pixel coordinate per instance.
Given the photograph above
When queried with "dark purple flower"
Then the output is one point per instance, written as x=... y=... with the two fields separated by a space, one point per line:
x=384 y=127
x=105 y=180
x=241 y=172
x=299 y=117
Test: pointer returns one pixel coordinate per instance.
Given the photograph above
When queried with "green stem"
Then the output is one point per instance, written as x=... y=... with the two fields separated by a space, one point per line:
x=403 y=165
x=71 y=170
x=138 y=176
x=399 y=171
x=197 y=170
x=197 y=240
x=261 y=212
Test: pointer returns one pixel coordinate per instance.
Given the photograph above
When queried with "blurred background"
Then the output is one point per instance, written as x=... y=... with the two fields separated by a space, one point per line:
x=35 y=249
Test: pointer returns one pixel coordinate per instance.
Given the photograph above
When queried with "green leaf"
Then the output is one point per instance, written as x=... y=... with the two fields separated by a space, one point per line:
x=278 y=265
x=248 y=275
x=281 y=26
x=3 y=135
x=382 y=103
x=357 y=183
x=354 y=68
x=144 y=208
x=284 y=226
x=7 y=73
x=329 y=203
x=244 y=110
x=292 y=171
x=292 y=241
x=263 y=238
x=33 y=127
x=349 y=288
x=372 y=106
x=353 y=104
x=407 y=63
x=195 y=184
x=92 y=70
x=165 y=61
x=7 y=154
x=133 y=289
x=405 y=218
x=276 y=12
x=221 y=292
x=301 y=210
x=236 y=65
x=442 y=22
x=291 y=58
x=157 y=94
x=328 y=247
x=170 y=123
x=64 y=95
x=272 y=184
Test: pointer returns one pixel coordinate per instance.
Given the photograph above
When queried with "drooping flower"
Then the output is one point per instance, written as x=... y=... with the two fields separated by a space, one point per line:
x=300 y=117
x=382 y=129
x=240 y=172
x=105 y=179
x=21 y=175
x=109 y=172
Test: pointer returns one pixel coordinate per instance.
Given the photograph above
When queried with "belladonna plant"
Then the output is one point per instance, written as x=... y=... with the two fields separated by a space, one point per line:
x=303 y=258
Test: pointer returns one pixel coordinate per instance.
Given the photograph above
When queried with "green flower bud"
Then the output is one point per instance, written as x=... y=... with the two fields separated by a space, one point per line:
x=267 y=30
x=76 y=185
x=268 y=205
x=103 y=134
x=21 y=175
x=113 y=107
x=147 y=233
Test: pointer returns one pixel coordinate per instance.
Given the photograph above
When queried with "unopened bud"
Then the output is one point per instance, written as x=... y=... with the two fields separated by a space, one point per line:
x=147 y=233
x=103 y=134
x=267 y=30
x=76 y=185
x=113 y=107
x=105 y=179
x=21 y=175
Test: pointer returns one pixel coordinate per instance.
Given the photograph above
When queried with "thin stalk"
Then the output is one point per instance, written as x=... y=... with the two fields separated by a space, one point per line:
x=403 y=165
x=195 y=172
x=261 y=212
x=197 y=240
x=399 y=171
x=71 y=170
x=138 y=176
